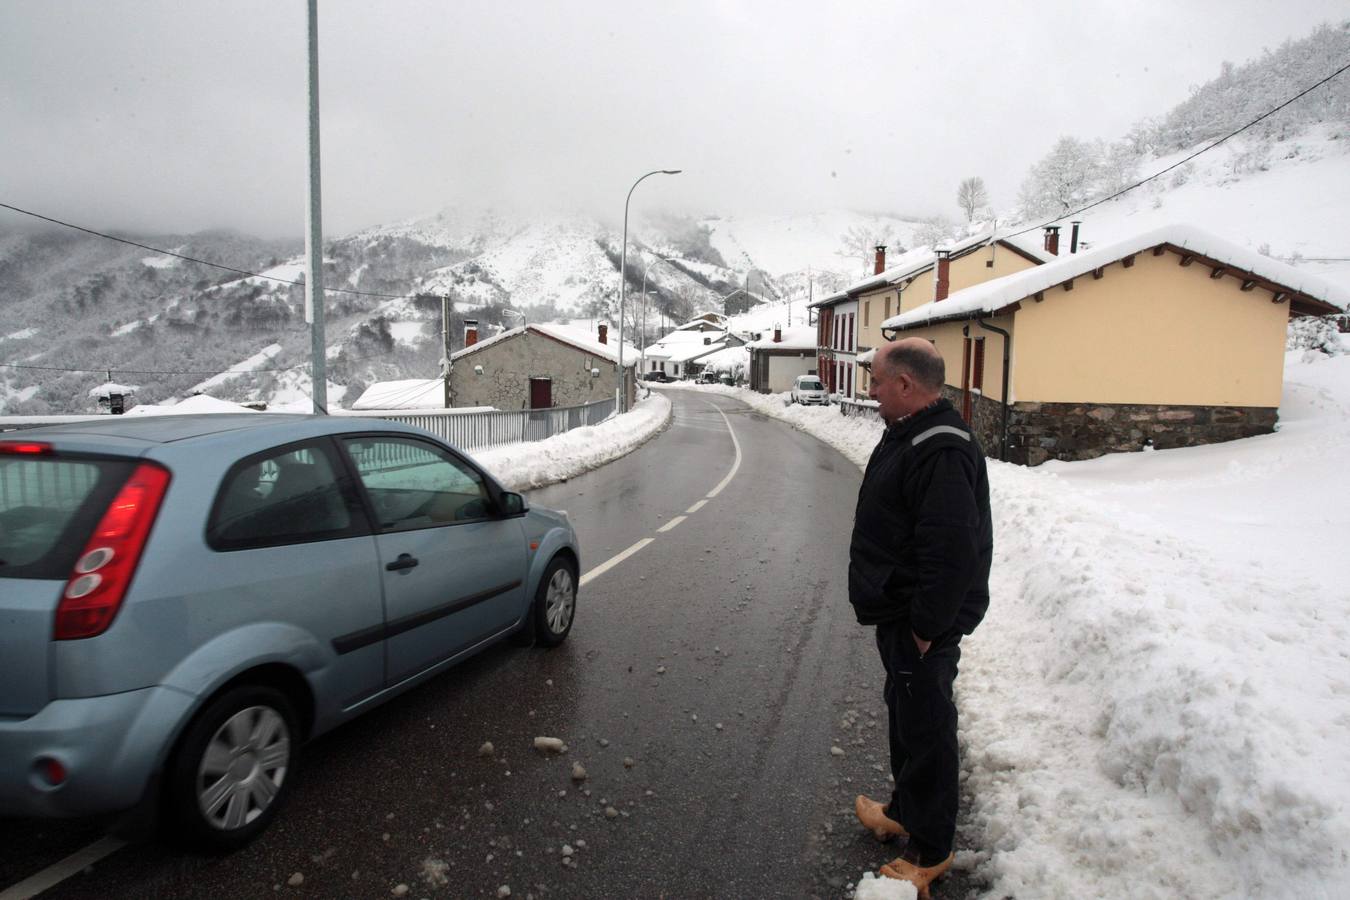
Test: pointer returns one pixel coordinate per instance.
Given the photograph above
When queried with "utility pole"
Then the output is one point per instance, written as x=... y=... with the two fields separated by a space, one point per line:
x=314 y=232
x=445 y=349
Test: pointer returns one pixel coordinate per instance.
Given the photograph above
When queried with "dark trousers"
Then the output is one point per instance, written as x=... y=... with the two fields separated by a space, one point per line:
x=924 y=756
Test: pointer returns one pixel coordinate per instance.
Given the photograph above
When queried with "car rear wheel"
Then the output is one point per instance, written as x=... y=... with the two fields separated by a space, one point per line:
x=234 y=768
x=555 y=604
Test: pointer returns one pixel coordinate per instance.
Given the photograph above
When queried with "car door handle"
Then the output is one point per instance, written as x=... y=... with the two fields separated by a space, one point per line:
x=404 y=561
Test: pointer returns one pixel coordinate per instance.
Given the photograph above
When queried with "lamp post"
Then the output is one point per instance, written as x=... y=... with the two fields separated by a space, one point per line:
x=642 y=338
x=642 y=365
x=623 y=281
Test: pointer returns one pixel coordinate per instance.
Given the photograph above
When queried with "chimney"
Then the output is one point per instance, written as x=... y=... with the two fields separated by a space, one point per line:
x=881 y=260
x=604 y=332
x=942 y=282
x=777 y=335
x=1073 y=240
x=1052 y=240
x=470 y=332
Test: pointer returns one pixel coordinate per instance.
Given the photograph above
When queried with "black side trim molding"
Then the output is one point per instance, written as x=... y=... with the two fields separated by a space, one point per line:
x=355 y=640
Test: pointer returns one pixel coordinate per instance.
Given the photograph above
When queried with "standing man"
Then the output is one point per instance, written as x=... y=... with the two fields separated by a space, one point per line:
x=919 y=571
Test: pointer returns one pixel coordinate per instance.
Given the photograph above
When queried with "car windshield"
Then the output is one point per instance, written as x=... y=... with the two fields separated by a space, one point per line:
x=808 y=384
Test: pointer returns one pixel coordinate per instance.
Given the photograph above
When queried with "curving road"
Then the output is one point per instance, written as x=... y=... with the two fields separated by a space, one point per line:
x=708 y=676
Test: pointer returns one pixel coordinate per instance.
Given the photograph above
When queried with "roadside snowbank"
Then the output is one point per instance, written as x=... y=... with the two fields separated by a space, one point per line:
x=1158 y=703
x=537 y=463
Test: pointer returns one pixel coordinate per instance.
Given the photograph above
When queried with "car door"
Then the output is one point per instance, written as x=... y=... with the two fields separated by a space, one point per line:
x=453 y=569
x=291 y=543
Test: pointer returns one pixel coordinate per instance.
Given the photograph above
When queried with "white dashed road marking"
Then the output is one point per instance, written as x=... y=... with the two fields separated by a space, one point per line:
x=615 y=560
x=58 y=872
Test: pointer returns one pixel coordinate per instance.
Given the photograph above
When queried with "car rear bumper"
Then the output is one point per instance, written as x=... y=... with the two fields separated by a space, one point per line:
x=109 y=747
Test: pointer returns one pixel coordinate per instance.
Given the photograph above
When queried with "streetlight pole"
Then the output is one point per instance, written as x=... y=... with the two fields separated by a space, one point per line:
x=623 y=281
x=642 y=338
x=314 y=233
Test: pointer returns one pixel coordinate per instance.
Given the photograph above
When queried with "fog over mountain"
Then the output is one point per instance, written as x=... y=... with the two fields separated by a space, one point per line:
x=76 y=309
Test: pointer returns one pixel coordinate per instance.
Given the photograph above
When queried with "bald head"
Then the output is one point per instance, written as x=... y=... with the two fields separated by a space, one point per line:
x=918 y=359
x=907 y=375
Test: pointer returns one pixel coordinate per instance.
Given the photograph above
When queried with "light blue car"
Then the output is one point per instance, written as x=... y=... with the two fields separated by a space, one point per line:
x=184 y=600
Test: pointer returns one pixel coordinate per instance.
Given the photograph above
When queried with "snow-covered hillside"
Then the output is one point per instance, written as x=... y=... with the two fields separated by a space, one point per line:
x=1289 y=202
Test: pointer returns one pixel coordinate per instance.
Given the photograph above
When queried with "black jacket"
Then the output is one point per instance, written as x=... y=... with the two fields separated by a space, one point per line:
x=922 y=536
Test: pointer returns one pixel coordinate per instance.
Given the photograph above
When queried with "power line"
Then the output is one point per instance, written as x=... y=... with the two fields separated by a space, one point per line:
x=123 y=371
x=1175 y=165
x=193 y=259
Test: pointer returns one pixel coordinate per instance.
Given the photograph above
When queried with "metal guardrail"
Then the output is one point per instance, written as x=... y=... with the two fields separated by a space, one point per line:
x=866 y=409
x=477 y=430
x=481 y=430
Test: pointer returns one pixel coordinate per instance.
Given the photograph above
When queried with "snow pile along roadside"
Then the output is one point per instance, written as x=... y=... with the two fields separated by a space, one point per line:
x=1158 y=703
x=537 y=463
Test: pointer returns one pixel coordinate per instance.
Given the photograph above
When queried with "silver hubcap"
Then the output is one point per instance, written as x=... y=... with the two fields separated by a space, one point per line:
x=243 y=767
x=560 y=601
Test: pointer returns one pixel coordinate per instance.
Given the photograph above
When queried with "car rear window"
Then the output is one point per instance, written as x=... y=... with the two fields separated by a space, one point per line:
x=49 y=507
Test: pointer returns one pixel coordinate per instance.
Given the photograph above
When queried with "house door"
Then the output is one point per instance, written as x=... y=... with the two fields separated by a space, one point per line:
x=541 y=393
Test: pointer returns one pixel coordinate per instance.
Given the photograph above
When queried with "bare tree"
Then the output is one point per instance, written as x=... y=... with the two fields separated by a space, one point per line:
x=856 y=246
x=934 y=231
x=971 y=195
x=1068 y=176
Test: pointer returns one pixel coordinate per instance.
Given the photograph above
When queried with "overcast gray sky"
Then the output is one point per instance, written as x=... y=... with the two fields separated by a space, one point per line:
x=185 y=114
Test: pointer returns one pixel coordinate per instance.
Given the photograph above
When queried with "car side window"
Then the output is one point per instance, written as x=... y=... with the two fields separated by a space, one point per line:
x=413 y=484
x=288 y=495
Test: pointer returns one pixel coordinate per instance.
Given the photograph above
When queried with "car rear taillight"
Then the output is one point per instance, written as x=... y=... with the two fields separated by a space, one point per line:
x=25 y=448
x=103 y=571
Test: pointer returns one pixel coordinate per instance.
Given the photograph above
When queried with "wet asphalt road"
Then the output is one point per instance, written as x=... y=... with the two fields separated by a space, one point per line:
x=703 y=686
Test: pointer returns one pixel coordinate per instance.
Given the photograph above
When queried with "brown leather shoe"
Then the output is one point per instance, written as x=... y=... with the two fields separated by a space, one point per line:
x=919 y=876
x=873 y=815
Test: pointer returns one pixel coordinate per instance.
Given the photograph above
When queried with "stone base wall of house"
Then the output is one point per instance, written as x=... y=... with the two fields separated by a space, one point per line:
x=1042 y=431
x=986 y=418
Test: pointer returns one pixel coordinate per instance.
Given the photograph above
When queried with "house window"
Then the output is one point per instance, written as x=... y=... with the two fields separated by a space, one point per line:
x=867 y=314
x=850 y=345
x=888 y=307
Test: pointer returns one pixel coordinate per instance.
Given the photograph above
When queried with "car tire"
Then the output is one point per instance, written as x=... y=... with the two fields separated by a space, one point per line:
x=233 y=769
x=555 y=603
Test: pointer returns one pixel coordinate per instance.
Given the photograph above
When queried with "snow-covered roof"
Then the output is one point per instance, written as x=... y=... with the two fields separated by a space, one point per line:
x=692 y=350
x=726 y=359
x=198 y=403
x=865 y=358
x=407 y=393
x=913 y=263
x=108 y=388
x=798 y=338
x=595 y=348
x=682 y=346
x=994 y=295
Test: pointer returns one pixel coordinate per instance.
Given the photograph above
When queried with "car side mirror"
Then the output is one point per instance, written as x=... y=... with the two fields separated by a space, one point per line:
x=512 y=504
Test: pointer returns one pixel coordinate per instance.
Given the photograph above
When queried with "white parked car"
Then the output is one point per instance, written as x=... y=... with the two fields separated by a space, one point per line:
x=808 y=390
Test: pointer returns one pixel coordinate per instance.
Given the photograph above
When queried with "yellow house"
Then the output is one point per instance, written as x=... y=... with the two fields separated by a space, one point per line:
x=918 y=277
x=1172 y=338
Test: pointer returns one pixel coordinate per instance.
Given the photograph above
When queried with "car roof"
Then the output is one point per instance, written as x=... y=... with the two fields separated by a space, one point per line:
x=147 y=430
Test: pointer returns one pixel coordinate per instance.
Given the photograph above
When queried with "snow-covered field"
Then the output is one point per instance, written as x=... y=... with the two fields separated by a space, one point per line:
x=1158 y=703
